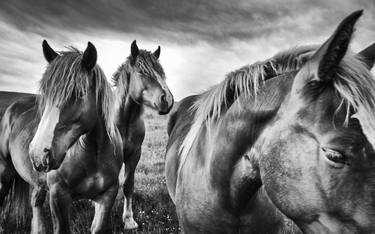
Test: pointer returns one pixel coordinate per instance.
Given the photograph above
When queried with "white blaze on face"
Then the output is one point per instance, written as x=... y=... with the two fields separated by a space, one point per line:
x=44 y=133
x=165 y=88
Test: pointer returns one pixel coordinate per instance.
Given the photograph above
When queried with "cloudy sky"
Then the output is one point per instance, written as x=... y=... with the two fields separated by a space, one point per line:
x=201 y=41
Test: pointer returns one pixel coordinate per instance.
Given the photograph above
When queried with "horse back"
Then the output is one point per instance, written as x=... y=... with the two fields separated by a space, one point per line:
x=11 y=114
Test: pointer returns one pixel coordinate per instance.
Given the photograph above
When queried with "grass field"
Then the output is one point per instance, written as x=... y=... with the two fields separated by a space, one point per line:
x=153 y=209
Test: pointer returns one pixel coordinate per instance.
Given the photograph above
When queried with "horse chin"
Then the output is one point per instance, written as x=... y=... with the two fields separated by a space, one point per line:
x=163 y=112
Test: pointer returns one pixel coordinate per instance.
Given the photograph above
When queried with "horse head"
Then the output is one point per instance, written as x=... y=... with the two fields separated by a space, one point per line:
x=317 y=159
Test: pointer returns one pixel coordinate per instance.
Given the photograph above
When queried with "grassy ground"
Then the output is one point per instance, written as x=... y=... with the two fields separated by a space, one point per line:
x=153 y=209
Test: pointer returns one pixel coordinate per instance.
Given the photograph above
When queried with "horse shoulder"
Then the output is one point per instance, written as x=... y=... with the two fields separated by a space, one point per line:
x=178 y=125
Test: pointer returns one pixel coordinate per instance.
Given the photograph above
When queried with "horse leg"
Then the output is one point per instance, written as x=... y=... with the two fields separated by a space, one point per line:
x=103 y=206
x=38 y=197
x=128 y=188
x=60 y=200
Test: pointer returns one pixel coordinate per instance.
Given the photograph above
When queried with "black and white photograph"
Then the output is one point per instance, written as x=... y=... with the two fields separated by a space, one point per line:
x=187 y=116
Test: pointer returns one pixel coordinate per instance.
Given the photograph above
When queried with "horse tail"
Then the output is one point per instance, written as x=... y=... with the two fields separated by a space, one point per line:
x=14 y=191
x=16 y=209
x=5 y=128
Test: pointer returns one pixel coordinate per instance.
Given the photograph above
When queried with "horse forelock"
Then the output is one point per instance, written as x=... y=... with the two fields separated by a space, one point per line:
x=148 y=64
x=242 y=82
x=65 y=78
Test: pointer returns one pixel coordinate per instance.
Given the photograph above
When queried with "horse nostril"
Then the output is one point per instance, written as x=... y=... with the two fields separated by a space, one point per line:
x=46 y=159
x=163 y=98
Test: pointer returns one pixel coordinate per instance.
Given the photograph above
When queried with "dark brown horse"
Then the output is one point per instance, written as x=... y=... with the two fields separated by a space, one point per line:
x=140 y=81
x=70 y=127
x=289 y=137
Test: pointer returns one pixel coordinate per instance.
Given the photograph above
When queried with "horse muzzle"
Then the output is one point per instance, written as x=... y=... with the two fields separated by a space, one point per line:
x=165 y=104
x=47 y=163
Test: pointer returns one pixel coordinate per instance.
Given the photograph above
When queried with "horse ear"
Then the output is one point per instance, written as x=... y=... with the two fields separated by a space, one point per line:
x=89 y=57
x=334 y=49
x=134 y=49
x=368 y=56
x=48 y=52
x=157 y=52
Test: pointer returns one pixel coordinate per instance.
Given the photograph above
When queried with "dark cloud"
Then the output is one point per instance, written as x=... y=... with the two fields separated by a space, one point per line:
x=185 y=21
x=222 y=35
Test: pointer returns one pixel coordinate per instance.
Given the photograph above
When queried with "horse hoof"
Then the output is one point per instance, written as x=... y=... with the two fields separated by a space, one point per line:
x=129 y=223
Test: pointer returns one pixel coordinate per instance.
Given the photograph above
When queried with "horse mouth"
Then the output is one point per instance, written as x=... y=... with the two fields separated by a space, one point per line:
x=164 y=110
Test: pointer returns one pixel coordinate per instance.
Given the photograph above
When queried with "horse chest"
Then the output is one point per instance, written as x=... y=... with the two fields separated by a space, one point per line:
x=89 y=176
x=95 y=184
x=89 y=184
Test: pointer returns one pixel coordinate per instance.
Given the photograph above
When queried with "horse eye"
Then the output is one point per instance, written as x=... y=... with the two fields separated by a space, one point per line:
x=314 y=84
x=335 y=156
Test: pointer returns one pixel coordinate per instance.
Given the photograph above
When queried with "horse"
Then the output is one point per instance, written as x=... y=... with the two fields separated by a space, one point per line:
x=290 y=138
x=70 y=128
x=139 y=82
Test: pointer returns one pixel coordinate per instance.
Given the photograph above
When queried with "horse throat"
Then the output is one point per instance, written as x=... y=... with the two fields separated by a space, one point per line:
x=95 y=138
x=129 y=112
x=234 y=170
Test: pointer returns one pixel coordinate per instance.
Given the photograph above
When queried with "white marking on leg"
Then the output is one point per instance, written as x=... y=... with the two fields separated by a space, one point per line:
x=127 y=216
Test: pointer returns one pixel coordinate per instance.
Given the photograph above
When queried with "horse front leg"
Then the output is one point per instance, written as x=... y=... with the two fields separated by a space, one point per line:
x=38 y=225
x=128 y=188
x=103 y=207
x=60 y=200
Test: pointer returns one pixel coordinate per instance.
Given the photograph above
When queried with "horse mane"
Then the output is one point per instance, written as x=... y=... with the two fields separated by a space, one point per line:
x=242 y=82
x=147 y=64
x=65 y=78
x=355 y=85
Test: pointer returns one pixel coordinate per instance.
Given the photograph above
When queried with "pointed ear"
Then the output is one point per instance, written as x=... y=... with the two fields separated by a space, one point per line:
x=49 y=53
x=157 y=52
x=330 y=54
x=134 y=49
x=368 y=56
x=89 y=57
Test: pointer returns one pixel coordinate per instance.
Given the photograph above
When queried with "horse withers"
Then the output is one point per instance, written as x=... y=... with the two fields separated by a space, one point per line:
x=140 y=81
x=291 y=137
x=70 y=127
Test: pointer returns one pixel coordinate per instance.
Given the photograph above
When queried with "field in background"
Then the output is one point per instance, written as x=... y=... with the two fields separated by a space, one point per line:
x=153 y=209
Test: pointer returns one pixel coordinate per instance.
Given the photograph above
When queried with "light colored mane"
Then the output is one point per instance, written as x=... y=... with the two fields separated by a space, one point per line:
x=244 y=81
x=356 y=86
x=65 y=78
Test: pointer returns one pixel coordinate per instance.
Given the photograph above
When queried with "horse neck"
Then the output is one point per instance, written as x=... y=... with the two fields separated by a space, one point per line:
x=129 y=112
x=96 y=138
x=233 y=161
